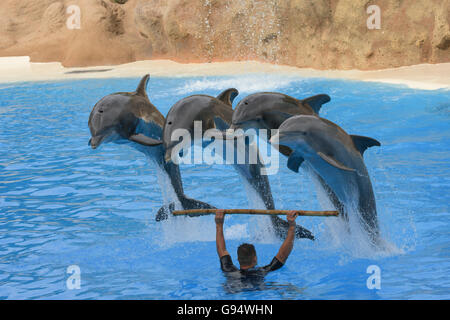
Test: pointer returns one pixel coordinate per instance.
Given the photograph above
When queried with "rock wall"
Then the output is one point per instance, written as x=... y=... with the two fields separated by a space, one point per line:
x=322 y=34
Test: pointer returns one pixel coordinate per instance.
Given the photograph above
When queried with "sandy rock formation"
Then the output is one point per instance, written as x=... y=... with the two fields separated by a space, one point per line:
x=322 y=34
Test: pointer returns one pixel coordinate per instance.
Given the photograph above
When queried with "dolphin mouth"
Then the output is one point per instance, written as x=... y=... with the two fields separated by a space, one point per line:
x=239 y=125
x=275 y=140
x=282 y=148
x=95 y=141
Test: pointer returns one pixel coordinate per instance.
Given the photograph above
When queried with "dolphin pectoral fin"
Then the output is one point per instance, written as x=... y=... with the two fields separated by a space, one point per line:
x=221 y=124
x=228 y=96
x=284 y=150
x=144 y=140
x=362 y=143
x=316 y=102
x=294 y=162
x=334 y=162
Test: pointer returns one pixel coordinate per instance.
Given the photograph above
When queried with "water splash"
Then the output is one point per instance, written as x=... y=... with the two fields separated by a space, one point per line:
x=167 y=190
x=189 y=229
x=349 y=237
x=260 y=227
x=245 y=84
x=405 y=237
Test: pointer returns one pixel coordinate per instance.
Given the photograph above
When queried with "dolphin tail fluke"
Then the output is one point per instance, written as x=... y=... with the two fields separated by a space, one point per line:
x=164 y=211
x=281 y=227
x=187 y=203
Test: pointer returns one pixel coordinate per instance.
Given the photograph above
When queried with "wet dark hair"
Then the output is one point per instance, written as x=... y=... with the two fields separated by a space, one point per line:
x=246 y=253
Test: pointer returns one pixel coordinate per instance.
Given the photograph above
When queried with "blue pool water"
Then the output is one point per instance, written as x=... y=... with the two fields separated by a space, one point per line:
x=63 y=204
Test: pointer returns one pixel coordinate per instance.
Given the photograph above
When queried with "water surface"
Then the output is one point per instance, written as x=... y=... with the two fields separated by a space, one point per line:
x=63 y=204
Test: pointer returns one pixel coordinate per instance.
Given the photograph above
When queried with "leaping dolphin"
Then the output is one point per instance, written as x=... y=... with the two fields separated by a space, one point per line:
x=217 y=112
x=130 y=117
x=338 y=159
x=268 y=110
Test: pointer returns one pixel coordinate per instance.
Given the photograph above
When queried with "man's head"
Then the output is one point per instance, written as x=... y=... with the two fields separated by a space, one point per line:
x=247 y=256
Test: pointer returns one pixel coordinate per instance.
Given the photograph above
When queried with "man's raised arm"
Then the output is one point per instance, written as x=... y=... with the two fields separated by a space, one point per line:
x=220 y=240
x=288 y=243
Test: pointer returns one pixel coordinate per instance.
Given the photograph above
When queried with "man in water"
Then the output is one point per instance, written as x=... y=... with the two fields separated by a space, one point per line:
x=247 y=254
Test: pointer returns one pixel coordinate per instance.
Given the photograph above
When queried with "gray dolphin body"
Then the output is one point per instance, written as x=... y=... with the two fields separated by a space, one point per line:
x=338 y=159
x=268 y=110
x=217 y=113
x=130 y=117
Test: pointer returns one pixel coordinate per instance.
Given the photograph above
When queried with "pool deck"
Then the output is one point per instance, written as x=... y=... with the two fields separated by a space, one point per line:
x=19 y=69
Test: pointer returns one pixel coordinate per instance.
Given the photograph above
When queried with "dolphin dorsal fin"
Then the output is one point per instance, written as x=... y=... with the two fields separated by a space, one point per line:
x=316 y=102
x=362 y=143
x=142 y=87
x=295 y=161
x=228 y=96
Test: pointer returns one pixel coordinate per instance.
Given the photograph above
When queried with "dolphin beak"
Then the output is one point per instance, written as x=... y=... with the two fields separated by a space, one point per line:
x=168 y=155
x=280 y=145
x=95 y=141
x=275 y=140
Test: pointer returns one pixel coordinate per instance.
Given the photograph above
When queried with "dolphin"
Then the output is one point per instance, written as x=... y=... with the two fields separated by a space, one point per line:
x=217 y=112
x=337 y=158
x=268 y=110
x=130 y=117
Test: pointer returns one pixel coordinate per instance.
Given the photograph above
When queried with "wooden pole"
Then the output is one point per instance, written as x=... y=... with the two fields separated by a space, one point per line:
x=201 y=212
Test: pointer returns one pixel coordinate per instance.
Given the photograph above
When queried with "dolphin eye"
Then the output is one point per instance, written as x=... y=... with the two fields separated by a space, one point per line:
x=245 y=102
x=100 y=110
x=170 y=122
